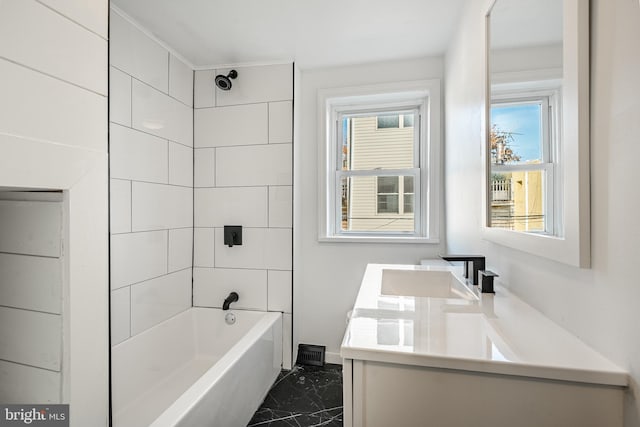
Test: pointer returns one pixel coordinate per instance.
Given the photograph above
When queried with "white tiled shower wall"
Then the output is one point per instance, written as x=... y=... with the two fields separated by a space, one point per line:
x=151 y=164
x=243 y=176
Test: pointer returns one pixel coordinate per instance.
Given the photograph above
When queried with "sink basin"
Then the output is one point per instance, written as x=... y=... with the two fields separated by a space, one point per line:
x=424 y=283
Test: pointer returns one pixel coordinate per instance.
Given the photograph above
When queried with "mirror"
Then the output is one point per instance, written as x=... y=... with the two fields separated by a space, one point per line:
x=536 y=148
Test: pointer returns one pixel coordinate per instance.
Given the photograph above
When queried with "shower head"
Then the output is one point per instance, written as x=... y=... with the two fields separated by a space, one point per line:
x=224 y=82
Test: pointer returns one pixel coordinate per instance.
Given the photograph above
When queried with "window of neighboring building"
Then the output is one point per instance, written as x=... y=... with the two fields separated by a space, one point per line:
x=381 y=166
x=394 y=121
x=388 y=121
x=395 y=194
x=523 y=188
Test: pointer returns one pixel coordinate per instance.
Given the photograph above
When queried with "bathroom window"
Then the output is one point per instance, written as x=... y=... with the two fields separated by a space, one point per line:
x=380 y=165
x=523 y=189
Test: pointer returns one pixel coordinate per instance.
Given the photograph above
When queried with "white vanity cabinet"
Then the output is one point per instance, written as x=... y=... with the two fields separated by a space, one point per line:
x=451 y=360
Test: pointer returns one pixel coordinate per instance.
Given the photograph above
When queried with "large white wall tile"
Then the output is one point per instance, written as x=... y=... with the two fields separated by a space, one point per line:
x=159 y=114
x=32 y=163
x=36 y=342
x=31 y=282
x=180 y=80
x=212 y=285
x=237 y=125
x=31 y=228
x=279 y=248
x=204 y=247
x=251 y=254
x=279 y=291
x=254 y=165
x=137 y=155
x=38 y=37
x=92 y=15
x=204 y=167
x=159 y=299
x=120 y=315
x=203 y=90
x=120 y=206
x=180 y=165
x=137 y=256
x=119 y=97
x=280 y=206
x=258 y=84
x=280 y=122
x=136 y=54
x=261 y=248
x=217 y=207
x=180 y=249
x=44 y=108
x=20 y=384
x=156 y=206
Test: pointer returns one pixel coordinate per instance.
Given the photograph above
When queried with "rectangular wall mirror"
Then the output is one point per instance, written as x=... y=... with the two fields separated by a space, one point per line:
x=537 y=130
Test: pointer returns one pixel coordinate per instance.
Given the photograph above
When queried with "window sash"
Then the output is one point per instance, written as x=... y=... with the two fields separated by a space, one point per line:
x=417 y=220
x=548 y=188
x=545 y=131
x=350 y=113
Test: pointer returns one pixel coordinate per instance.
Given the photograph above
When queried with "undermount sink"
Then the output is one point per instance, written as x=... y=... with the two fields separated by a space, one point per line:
x=423 y=283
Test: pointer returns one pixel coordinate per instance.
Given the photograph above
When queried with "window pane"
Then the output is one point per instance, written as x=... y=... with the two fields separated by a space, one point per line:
x=516 y=133
x=408 y=120
x=365 y=209
x=408 y=184
x=388 y=203
x=408 y=203
x=517 y=200
x=388 y=121
x=388 y=184
x=366 y=147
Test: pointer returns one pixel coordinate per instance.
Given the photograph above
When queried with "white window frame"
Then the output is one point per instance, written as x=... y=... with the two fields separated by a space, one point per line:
x=548 y=95
x=423 y=96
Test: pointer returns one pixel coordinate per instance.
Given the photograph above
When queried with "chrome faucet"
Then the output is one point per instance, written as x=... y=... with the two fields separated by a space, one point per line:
x=233 y=297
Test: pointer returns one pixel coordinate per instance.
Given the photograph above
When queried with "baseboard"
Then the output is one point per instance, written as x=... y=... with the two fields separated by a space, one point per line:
x=332 y=358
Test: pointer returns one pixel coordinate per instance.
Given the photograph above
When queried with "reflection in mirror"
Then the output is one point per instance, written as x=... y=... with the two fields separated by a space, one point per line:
x=526 y=73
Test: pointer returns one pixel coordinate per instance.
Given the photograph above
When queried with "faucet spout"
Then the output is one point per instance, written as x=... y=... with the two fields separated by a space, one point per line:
x=233 y=297
x=477 y=262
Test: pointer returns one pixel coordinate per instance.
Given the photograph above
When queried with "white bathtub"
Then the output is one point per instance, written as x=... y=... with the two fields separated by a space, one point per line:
x=195 y=370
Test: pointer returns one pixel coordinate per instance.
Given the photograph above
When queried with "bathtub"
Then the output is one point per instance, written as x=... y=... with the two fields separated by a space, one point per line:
x=196 y=370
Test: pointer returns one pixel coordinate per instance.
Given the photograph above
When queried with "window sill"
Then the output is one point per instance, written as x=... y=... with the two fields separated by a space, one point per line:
x=377 y=239
x=567 y=250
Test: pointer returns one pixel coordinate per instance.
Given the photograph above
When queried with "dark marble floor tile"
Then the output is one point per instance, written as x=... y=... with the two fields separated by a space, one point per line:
x=306 y=396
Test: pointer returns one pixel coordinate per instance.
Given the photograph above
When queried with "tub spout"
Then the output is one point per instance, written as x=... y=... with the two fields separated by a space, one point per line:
x=233 y=297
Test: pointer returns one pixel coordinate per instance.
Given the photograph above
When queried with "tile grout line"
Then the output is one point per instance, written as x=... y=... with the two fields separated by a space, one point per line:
x=52 y=76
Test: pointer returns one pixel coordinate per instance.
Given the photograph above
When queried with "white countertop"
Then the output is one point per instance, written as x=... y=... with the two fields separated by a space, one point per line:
x=498 y=334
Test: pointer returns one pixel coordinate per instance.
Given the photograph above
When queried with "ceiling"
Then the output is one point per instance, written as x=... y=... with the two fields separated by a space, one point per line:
x=314 y=33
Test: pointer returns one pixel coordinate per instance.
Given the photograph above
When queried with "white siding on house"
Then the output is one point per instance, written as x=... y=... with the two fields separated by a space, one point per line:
x=373 y=148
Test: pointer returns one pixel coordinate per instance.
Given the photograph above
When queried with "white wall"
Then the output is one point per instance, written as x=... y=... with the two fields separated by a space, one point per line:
x=53 y=135
x=243 y=176
x=151 y=169
x=599 y=305
x=327 y=275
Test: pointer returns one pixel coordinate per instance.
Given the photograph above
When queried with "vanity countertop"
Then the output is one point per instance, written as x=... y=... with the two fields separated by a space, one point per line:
x=498 y=334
